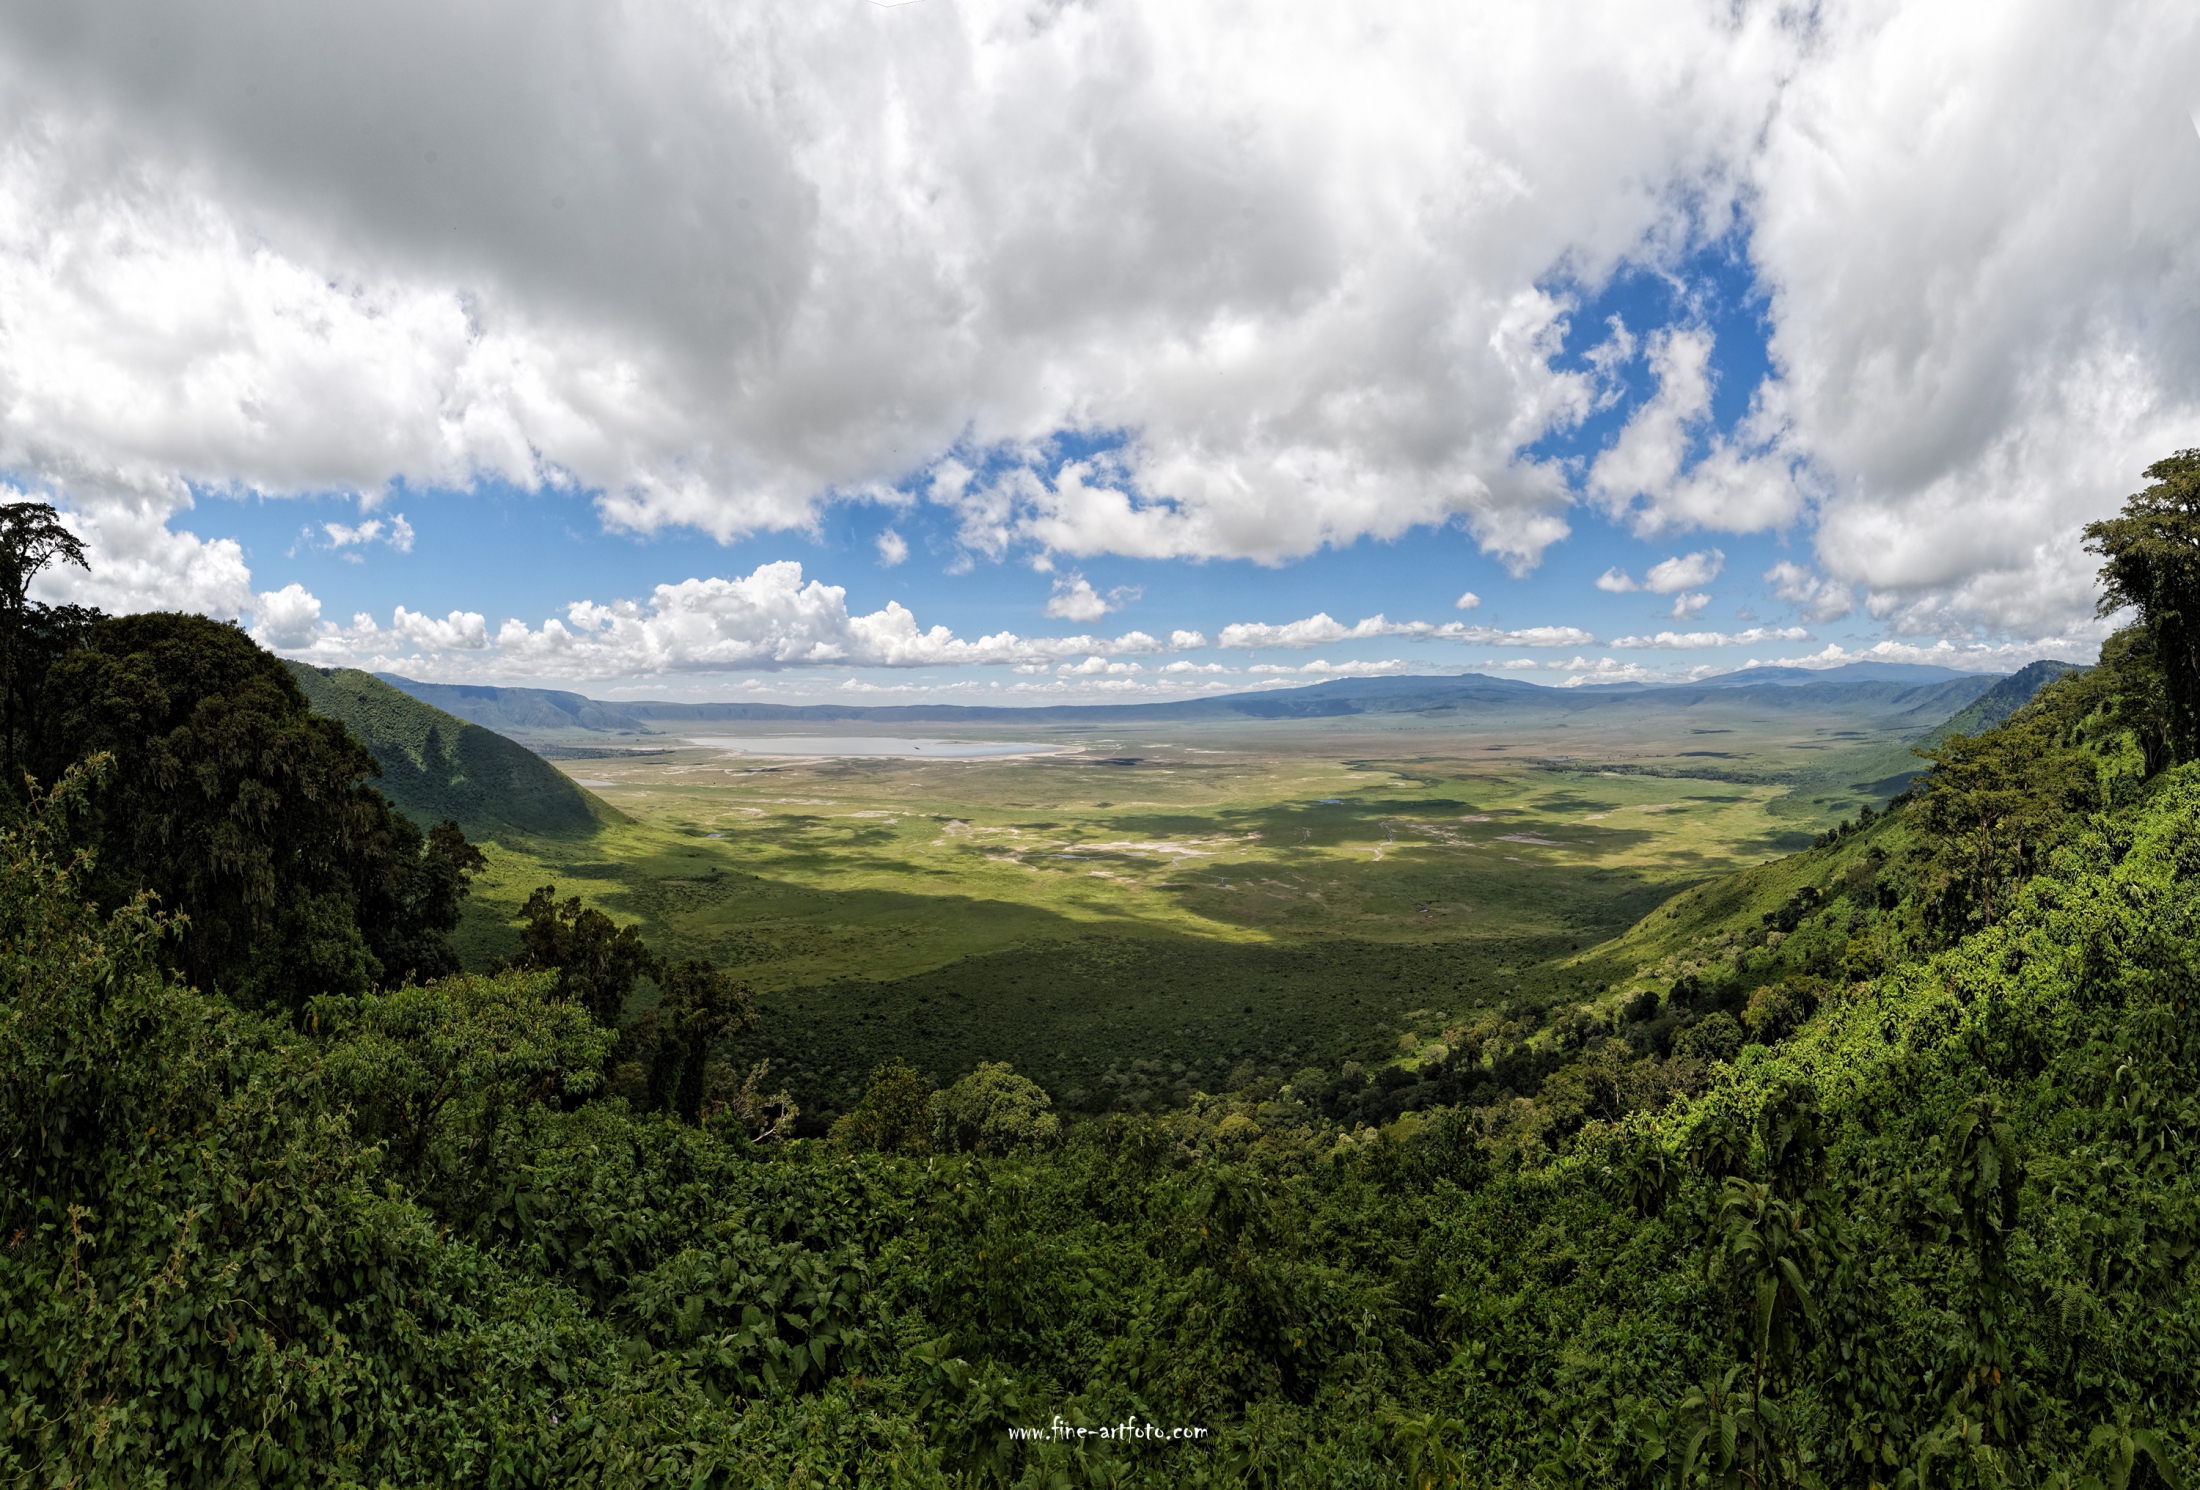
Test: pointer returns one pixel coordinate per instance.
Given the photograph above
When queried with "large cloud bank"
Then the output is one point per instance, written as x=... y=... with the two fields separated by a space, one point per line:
x=769 y=620
x=1305 y=262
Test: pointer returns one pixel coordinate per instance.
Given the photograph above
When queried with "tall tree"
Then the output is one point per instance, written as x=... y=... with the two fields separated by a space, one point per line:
x=599 y=964
x=31 y=540
x=409 y=897
x=598 y=961
x=2151 y=562
x=702 y=1005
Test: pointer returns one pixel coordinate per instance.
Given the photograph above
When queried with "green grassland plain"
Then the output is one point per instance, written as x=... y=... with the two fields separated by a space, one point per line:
x=1151 y=911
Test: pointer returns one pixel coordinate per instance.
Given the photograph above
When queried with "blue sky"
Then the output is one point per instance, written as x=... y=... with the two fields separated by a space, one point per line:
x=507 y=552
x=1062 y=359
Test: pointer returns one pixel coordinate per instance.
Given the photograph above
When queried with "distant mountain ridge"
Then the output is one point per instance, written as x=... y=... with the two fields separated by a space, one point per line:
x=519 y=708
x=435 y=765
x=1925 y=695
x=1847 y=672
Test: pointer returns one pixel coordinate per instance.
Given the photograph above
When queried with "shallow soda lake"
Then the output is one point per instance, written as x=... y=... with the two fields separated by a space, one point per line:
x=799 y=745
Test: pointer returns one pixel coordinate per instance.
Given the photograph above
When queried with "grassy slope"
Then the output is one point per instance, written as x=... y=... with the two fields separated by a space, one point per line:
x=435 y=766
x=1732 y=906
x=519 y=711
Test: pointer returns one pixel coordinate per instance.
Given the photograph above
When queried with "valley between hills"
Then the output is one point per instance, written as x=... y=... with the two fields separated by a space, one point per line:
x=1156 y=906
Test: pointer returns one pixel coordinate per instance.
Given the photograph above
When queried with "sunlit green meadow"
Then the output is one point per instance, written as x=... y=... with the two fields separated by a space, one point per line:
x=1185 y=902
x=915 y=864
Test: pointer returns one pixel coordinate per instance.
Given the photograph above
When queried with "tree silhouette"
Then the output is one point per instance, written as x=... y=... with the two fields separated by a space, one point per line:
x=31 y=539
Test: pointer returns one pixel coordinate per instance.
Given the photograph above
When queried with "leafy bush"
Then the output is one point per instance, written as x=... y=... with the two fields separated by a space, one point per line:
x=895 y=1115
x=1715 y=1037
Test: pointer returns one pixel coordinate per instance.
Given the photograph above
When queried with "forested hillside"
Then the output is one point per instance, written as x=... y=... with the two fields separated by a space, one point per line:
x=2005 y=698
x=437 y=766
x=1877 y=1167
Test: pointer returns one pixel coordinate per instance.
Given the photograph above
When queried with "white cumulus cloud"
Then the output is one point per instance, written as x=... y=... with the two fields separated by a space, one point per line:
x=1605 y=670
x=1819 y=600
x=397 y=533
x=1974 y=657
x=460 y=631
x=140 y=560
x=1684 y=572
x=1299 y=280
x=771 y=619
x=1689 y=641
x=1320 y=629
x=1098 y=667
x=1321 y=669
x=1681 y=572
x=1656 y=476
x=1316 y=630
x=1074 y=599
x=721 y=264
x=286 y=619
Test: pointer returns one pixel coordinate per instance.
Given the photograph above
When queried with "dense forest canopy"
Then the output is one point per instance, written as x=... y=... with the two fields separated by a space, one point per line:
x=1882 y=1174
x=246 y=815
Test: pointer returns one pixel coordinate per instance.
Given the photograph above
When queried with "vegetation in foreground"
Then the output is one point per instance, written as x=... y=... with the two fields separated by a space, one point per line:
x=1892 y=1183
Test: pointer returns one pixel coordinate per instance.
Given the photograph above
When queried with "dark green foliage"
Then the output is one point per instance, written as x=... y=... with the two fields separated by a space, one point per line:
x=210 y=1280
x=32 y=636
x=1716 y=1037
x=663 y=1060
x=437 y=766
x=701 y=1006
x=409 y=894
x=1776 y=1010
x=246 y=815
x=2005 y=698
x=407 y=1245
x=1799 y=905
x=1898 y=1185
x=895 y=1115
x=1138 y=1024
x=598 y=962
x=993 y=1112
x=2151 y=562
x=433 y=1071
x=1993 y=807
x=1997 y=804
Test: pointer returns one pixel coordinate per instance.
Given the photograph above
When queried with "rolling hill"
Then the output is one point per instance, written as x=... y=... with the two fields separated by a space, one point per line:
x=436 y=766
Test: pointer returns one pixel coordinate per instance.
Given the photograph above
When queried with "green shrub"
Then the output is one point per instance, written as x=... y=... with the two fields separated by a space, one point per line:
x=1715 y=1037
x=895 y=1115
x=993 y=1111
